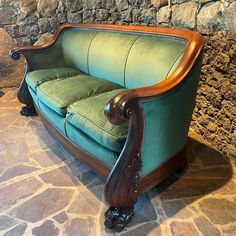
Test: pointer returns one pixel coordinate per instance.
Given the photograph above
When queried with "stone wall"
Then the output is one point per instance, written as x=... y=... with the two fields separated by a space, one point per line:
x=214 y=116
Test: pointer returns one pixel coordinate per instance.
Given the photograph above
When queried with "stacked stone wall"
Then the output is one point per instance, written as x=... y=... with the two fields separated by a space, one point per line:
x=215 y=112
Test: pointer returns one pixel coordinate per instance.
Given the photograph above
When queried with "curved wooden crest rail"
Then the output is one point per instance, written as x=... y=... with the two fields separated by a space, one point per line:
x=123 y=184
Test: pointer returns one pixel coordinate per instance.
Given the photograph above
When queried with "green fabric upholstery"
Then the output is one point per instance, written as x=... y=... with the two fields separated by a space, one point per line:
x=108 y=54
x=75 y=46
x=57 y=120
x=60 y=93
x=167 y=121
x=34 y=96
x=47 y=58
x=76 y=136
x=150 y=59
x=87 y=144
x=37 y=77
x=88 y=116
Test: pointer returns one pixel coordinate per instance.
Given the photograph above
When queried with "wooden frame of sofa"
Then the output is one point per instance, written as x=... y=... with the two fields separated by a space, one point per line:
x=123 y=184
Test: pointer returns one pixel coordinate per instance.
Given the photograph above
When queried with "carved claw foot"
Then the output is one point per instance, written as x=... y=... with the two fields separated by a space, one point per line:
x=28 y=111
x=118 y=218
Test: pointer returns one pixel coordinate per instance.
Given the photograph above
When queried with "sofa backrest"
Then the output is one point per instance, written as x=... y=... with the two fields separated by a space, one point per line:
x=129 y=59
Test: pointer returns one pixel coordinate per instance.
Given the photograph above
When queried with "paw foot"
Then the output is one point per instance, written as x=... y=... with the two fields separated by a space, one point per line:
x=28 y=111
x=118 y=218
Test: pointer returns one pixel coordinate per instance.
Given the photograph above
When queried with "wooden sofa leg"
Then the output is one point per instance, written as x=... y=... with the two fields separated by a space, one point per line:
x=122 y=185
x=117 y=218
x=28 y=111
x=121 y=192
x=24 y=96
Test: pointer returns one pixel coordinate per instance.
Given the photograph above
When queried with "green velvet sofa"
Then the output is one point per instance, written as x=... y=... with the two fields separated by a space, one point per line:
x=120 y=98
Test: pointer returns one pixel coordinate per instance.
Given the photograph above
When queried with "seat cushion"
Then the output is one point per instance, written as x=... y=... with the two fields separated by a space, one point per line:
x=37 y=77
x=60 y=93
x=88 y=116
x=90 y=146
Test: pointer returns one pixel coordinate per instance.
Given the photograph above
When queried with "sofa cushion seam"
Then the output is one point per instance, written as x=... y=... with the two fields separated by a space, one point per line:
x=89 y=51
x=126 y=60
x=105 y=130
x=174 y=63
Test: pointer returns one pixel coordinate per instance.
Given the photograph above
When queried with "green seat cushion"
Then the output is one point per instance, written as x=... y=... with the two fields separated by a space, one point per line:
x=88 y=116
x=37 y=77
x=60 y=93
x=90 y=146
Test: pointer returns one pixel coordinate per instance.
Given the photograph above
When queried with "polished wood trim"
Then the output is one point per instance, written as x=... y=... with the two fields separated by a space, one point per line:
x=177 y=162
x=99 y=166
x=121 y=188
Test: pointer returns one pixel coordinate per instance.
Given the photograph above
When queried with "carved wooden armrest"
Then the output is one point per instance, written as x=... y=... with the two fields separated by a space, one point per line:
x=26 y=50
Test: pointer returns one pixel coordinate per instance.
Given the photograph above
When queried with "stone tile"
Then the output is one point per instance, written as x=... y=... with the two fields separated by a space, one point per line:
x=42 y=205
x=176 y=209
x=215 y=172
x=219 y=211
x=79 y=226
x=47 y=228
x=143 y=210
x=11 y=194
x=228 y=188
x=7 y=118
x=19 y=230
x=154 y=196
x=211 y=157
x=13 y=134
x=38 y=139
x=149 y=229
x=61 y=217
x=48 y=158
x=98 y=191
x=9 y=94
x=59 y=177
x=188 y=188
x=90 y=179
x=229 y=231
x=161 y=216
x=11 y=104
x=76 y=166
x=16 y=171
x=7 y=222
x=19 y=151
x=179 y=228
x=206 y=227
x=85 y=203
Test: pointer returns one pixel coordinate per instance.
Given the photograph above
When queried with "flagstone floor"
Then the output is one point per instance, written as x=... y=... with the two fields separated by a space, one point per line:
x=44 y=191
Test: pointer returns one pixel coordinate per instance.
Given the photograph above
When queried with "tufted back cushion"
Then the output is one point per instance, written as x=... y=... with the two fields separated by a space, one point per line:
x=129 y=59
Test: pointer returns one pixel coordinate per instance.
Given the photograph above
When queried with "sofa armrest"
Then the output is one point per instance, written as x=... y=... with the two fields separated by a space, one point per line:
x=172 y=101
x=43 y=56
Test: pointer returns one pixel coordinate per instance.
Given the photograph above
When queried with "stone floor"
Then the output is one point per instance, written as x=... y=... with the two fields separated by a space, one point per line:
x=44 y=191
